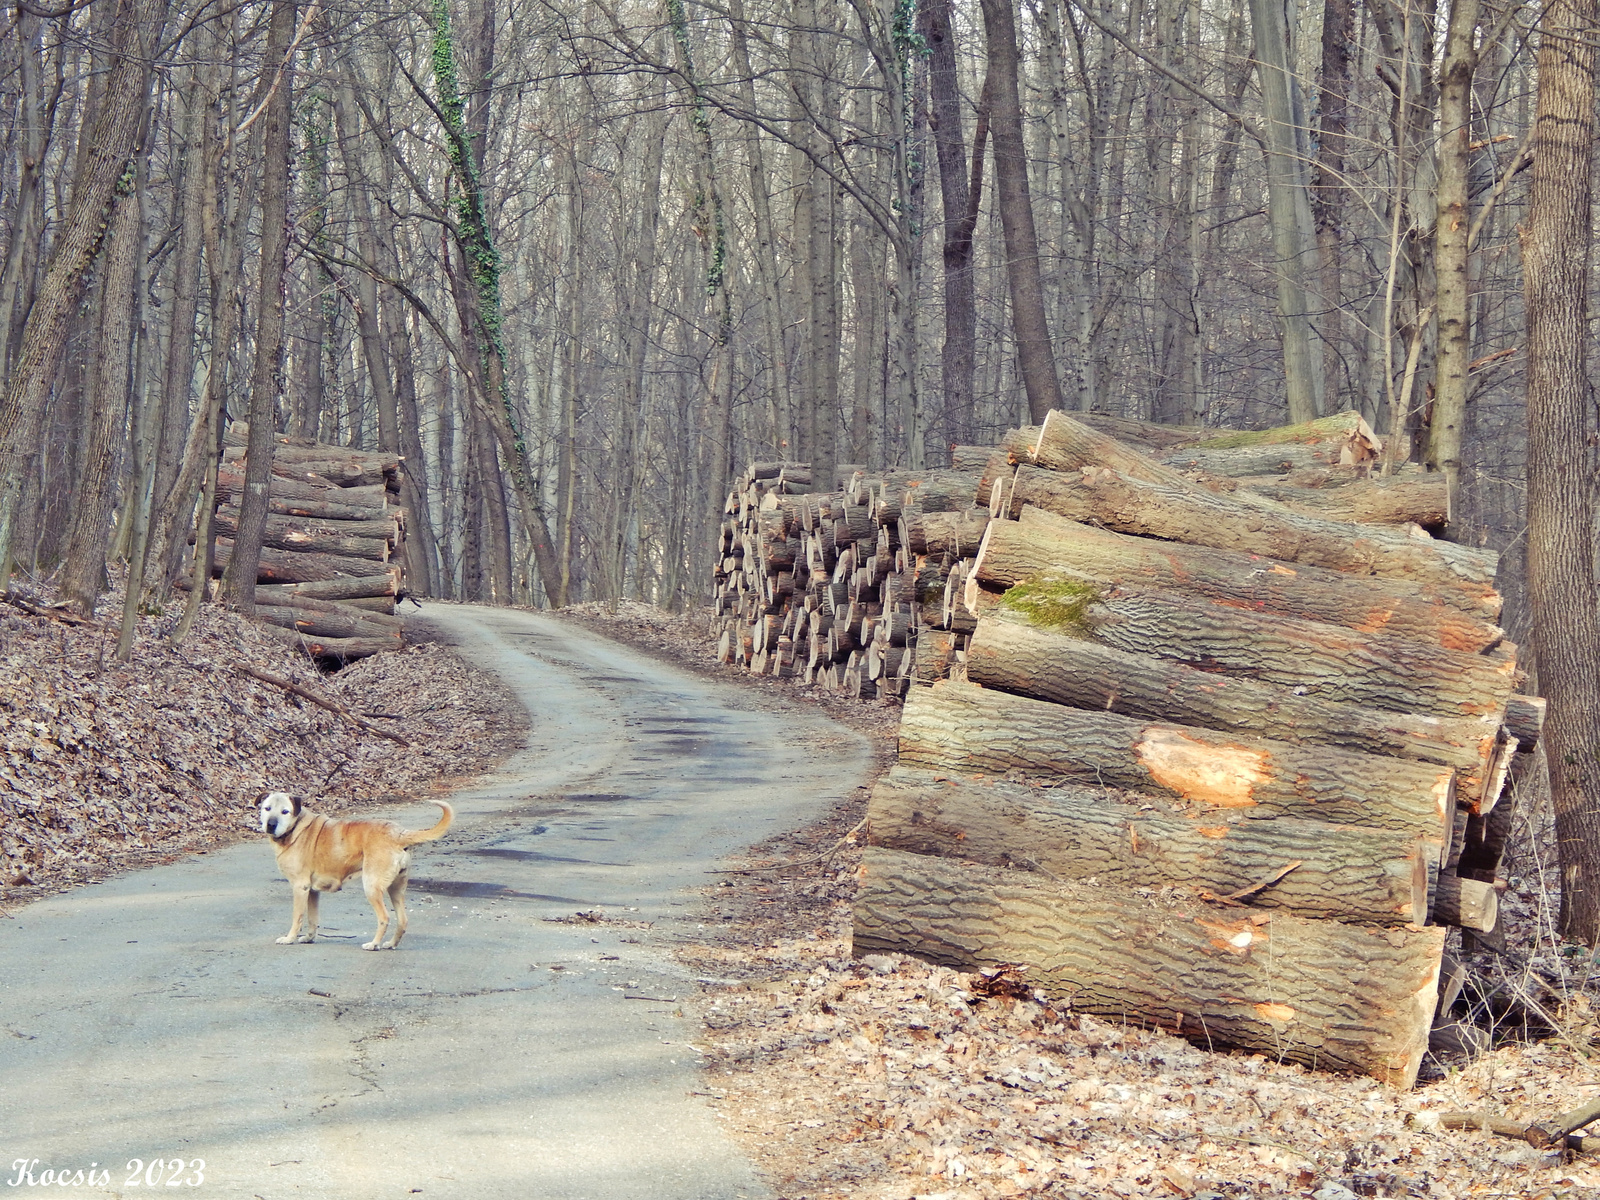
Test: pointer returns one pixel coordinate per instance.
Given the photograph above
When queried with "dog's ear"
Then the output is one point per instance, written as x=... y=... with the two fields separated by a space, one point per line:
x=297 y=802
x=262 y=799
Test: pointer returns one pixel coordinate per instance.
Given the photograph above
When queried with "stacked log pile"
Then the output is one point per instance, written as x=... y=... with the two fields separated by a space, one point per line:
x=1202 y=756
x=831 y=587
x=330 y=567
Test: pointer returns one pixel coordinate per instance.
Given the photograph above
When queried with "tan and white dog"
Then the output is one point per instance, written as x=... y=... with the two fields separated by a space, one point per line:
x=317 y=854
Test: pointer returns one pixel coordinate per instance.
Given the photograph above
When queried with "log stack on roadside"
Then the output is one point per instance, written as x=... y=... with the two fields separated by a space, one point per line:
x=330 y=566
x=1204 y=757
x=830 y=586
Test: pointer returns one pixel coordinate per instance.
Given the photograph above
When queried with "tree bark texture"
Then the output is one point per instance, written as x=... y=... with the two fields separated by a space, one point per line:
x=1561 y=564
x=266 y=378
x=963 y=727
x=1345 y=872
x=1200 y=518
x=1017 y=658
x=1327 y=995
x=1035 y=359
x=1043 y=544
x=105 y=149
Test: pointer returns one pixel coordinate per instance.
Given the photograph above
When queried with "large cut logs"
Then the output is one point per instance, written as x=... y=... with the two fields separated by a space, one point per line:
x=1267 y=722
x=1239 y=522
x=1065 y=444
x=1041 y=543
x=354 y=539
x=1320 y=993
x=960 y=726
x=1399 y=500
x=290 y=566
x=1014 y=657
x=334 y=535
x=1340 y=872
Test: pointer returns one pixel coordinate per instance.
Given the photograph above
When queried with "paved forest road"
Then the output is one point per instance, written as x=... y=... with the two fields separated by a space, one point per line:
x=152 y=1017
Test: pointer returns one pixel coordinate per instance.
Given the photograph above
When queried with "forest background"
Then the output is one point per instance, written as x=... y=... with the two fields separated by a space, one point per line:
x=578 y=263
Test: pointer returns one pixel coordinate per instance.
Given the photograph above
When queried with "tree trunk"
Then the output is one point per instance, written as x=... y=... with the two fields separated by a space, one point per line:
x=1070 y=832
x=1042 y=543
x=108 y=142
x=1045 y=665
x=1462 y=575
x=1288 y=203
x=1561 y=565
x=1035 y=359
x=962 y=727
x=957 y=416
x=266 y=378
x=1319 y=993
x=83 y=576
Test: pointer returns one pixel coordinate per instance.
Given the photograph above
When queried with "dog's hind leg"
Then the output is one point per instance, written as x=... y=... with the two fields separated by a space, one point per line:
x=397 y=897
x=374 y=889
x=304 y=897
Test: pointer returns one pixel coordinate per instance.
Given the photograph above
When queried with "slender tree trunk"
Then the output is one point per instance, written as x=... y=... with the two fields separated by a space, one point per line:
x=1035 y=359
x=958 y=415
x=1451 y=251
x=83 y=576
x=1286 y=196
x=1561 y=561
x=1328 y=190
x=266 y=378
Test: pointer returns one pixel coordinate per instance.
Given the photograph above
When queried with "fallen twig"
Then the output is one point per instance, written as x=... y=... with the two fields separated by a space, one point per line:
x=1512 y=1129
x=307 y=694
x=50 y=612
x=1541 y=1134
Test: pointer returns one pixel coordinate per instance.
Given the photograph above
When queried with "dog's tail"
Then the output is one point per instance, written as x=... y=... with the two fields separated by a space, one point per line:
x=412 y=837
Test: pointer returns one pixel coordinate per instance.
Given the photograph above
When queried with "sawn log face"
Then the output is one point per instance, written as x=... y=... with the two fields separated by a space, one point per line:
x=1320 y=993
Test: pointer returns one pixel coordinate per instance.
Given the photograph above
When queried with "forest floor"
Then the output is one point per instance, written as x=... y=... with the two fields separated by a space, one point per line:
x=882 y=1078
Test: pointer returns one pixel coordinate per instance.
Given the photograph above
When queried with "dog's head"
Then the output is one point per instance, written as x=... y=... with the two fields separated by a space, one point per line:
x=279 y=813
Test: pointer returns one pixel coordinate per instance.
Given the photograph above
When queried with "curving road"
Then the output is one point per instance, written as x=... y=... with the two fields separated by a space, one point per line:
x=499 y=1052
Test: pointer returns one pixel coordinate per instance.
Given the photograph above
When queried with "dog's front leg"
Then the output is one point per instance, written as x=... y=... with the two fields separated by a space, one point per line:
x=304 y=898
x=311 y=914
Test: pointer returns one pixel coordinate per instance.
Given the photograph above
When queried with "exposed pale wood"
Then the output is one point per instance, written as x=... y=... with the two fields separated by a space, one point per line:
x=955 y=533
x=1319 y=993
x=1469 y=903
x=1191 y=515
x=1047 y=665
x=1345 y=873
x=1041 y=542
x=959 y=726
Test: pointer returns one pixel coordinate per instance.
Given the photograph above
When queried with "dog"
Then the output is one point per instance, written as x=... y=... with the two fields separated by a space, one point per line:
x=317 y=854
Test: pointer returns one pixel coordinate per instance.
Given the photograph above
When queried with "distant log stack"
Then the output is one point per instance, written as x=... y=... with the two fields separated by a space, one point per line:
x=1215 y=738
x=830 y=586
x=331 y=562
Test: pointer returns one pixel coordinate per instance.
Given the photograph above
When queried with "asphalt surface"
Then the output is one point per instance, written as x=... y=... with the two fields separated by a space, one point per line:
x=509 y=1048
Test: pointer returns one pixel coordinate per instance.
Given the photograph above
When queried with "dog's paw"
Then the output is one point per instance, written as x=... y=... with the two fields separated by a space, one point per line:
x=287 y=941
x=371 y=946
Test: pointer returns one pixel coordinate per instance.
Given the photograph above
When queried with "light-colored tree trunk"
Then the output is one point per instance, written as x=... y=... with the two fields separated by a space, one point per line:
x=1288 y=204
x=1451 y=250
